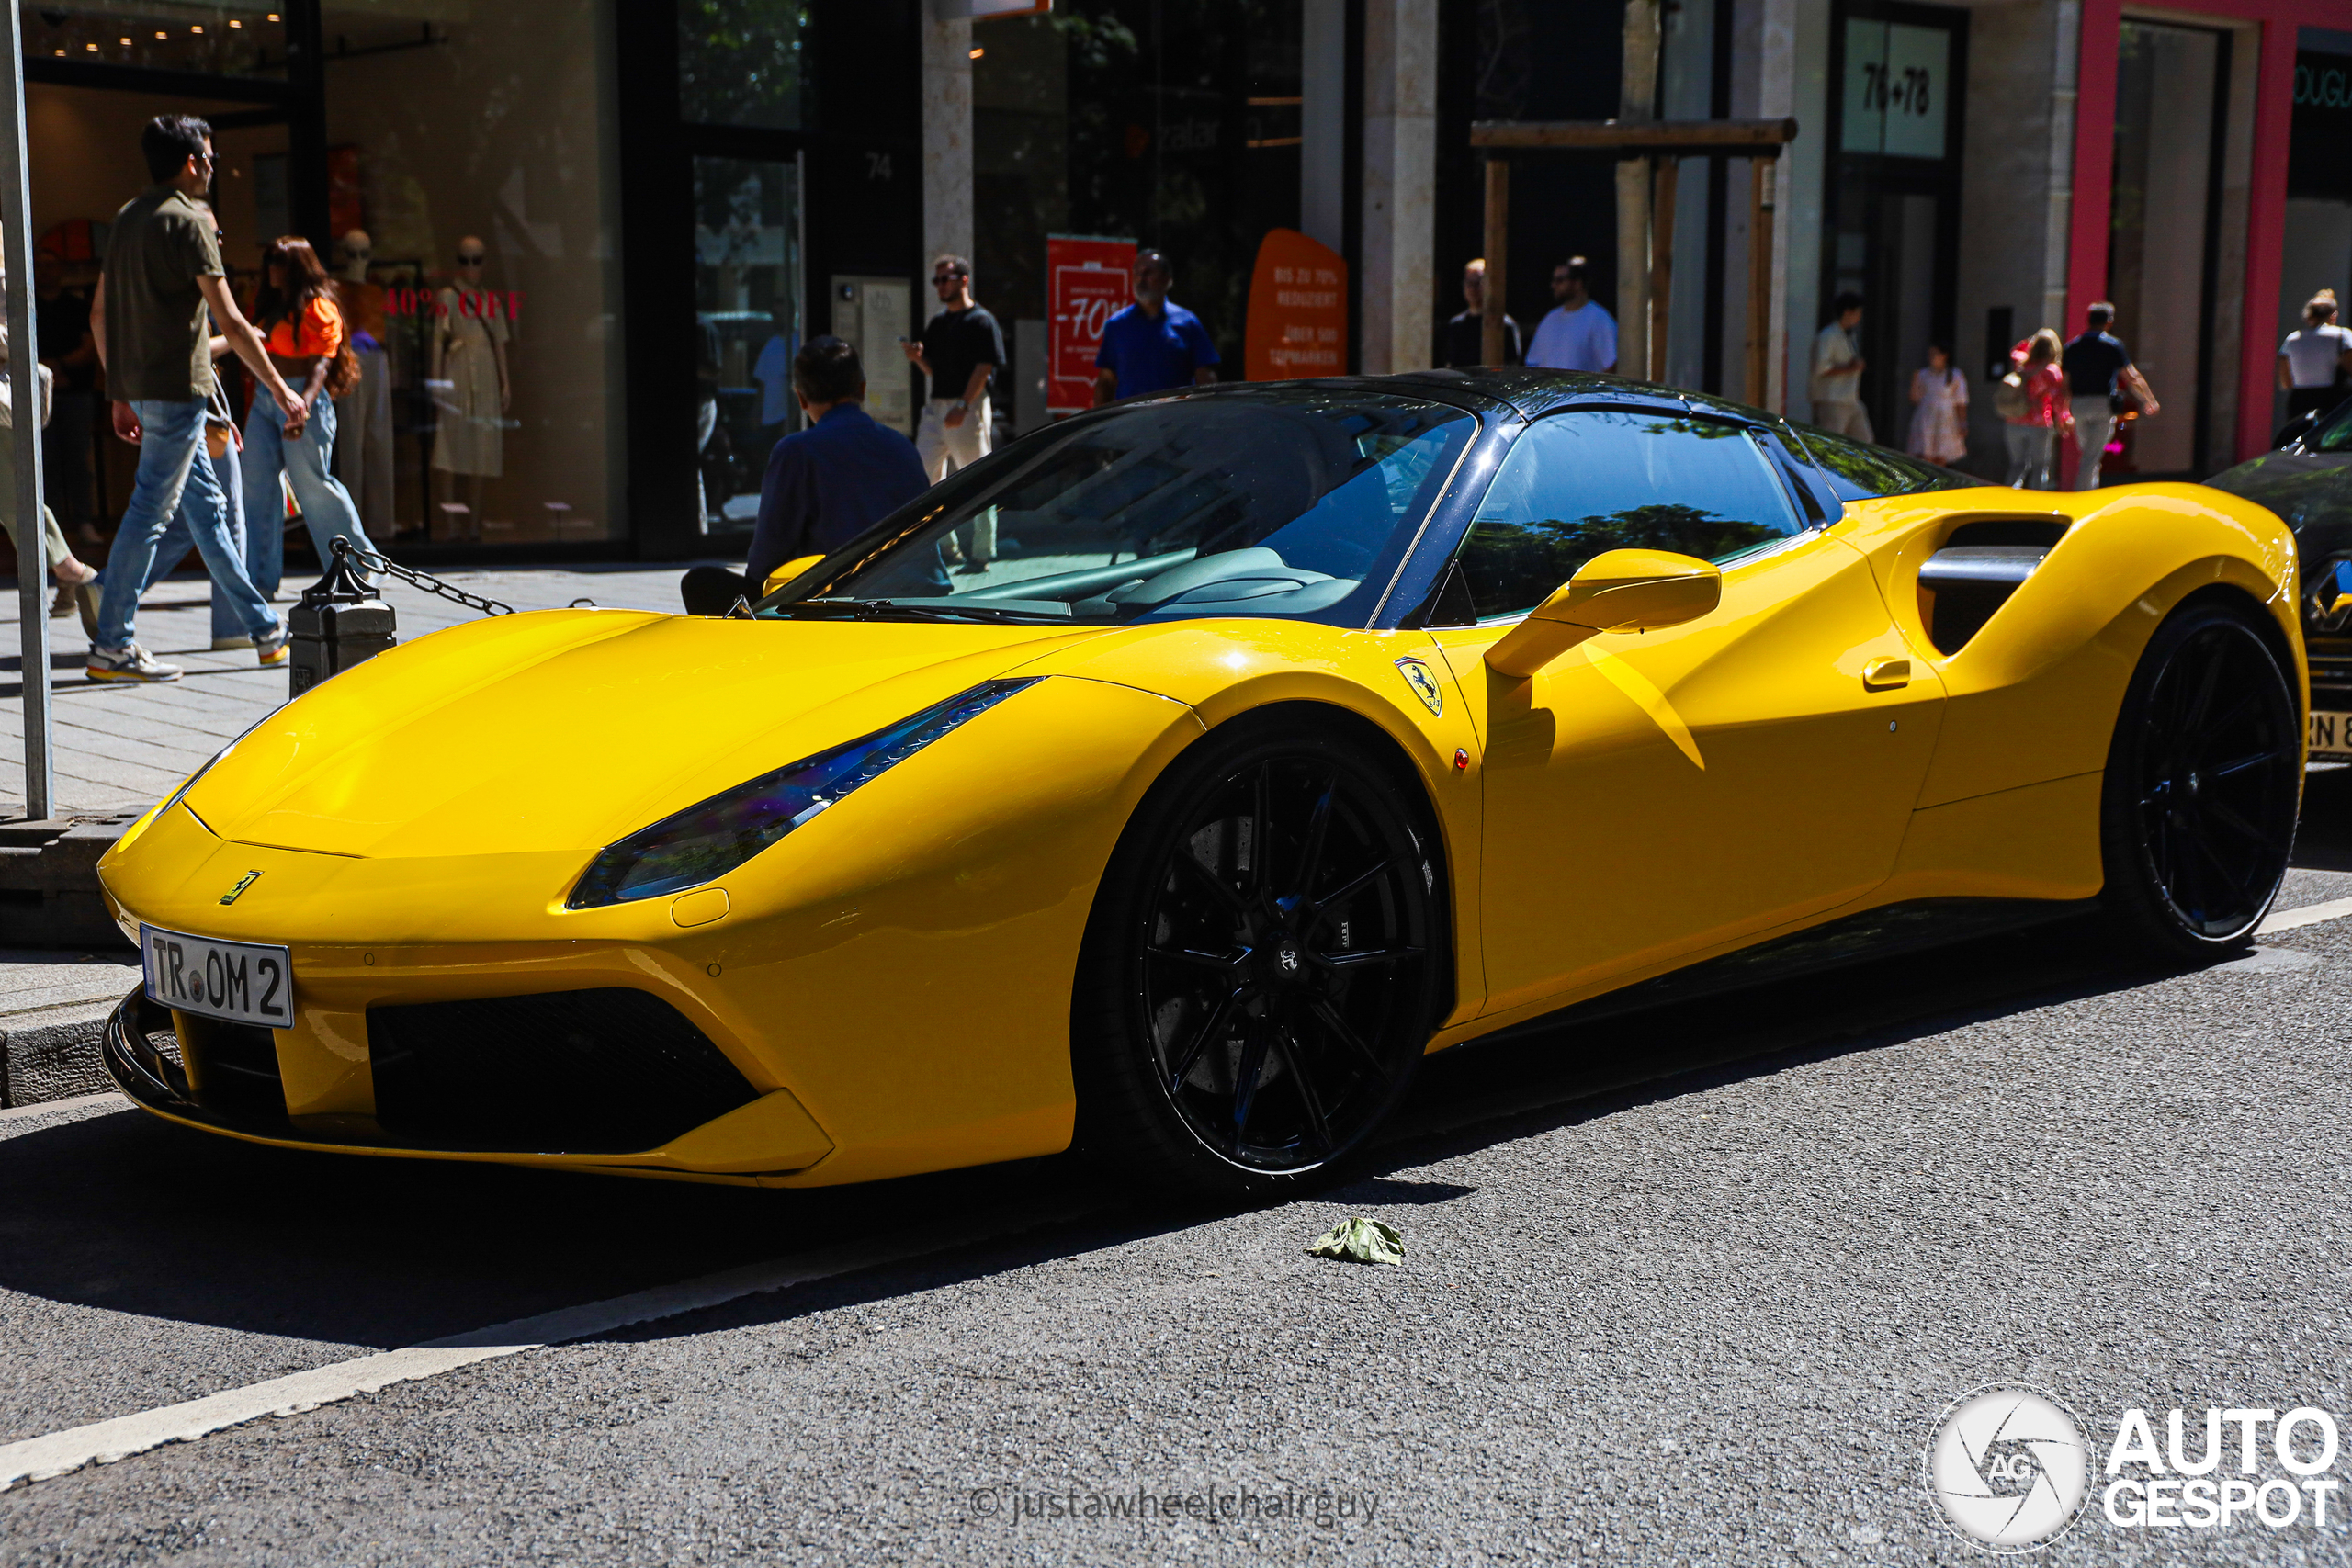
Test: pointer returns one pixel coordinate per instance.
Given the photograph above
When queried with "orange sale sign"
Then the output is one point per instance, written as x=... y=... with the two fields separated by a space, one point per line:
x=1298 y=309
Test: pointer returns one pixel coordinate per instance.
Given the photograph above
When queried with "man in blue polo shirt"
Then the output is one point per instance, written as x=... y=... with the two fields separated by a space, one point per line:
x=1154 y=343
x=826 y=484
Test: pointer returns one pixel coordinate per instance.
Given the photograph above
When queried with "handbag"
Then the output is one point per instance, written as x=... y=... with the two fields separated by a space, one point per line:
x=2009 y=401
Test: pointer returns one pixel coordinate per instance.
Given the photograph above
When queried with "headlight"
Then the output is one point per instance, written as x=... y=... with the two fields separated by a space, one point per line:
x=706 y=841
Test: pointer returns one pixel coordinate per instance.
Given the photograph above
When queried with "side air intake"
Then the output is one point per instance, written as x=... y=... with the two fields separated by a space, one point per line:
x=1982 y=563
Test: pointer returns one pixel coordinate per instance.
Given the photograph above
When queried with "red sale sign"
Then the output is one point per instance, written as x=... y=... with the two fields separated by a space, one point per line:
x=1087 y=280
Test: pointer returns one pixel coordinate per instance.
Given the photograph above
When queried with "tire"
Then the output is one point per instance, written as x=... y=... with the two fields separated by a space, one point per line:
x=1242 y=1021
x=2203 y=786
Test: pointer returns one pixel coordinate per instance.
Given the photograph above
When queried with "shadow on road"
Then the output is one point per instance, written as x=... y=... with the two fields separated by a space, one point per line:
x=125 y=1213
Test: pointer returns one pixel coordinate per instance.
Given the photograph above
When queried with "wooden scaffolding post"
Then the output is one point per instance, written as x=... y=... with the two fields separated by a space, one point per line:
x=1496 y=307
x=1670 y=172
x=1649 y=150
x=1759 y=275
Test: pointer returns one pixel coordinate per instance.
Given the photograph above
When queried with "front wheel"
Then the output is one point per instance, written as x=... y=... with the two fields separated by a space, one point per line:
x=1263 y=966
x=2203 y=784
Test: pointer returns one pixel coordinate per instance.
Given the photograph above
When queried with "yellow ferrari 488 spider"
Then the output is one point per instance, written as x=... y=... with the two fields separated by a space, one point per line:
x=1268 y=737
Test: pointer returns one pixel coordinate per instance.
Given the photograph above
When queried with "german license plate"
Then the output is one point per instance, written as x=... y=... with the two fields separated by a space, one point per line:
x=2332 y=736
x=242 y=981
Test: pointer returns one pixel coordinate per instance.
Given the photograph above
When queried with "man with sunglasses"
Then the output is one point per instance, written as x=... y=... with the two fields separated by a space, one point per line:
x=163 y=274
x=959 y=352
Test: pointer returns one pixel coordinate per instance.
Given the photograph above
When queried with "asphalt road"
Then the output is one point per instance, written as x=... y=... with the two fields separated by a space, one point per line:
x=1688 y=1286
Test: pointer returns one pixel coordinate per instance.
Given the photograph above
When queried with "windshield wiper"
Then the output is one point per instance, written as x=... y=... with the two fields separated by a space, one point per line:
x=919 y=610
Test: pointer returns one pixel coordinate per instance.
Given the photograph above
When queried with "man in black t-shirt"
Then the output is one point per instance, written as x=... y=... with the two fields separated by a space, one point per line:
x=1464 y=345
x=2096 y=364
x=961 y=350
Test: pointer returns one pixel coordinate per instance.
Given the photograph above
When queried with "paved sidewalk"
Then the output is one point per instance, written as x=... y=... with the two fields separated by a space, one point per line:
x=120 y=748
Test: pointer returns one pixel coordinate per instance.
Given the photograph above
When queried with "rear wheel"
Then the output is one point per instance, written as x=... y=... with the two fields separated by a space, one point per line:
x=1262 y=966
x=2203 y=783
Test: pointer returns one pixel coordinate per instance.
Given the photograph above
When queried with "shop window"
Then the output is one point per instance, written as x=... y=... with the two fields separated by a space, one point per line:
x=481 y=137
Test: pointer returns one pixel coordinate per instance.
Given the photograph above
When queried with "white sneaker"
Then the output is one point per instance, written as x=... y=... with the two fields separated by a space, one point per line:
x=133 y=663
x=224 y=644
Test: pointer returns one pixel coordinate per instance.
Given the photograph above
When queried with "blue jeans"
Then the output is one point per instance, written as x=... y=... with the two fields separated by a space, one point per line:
x=171 y=480
x=326 y=506
x=172 y=549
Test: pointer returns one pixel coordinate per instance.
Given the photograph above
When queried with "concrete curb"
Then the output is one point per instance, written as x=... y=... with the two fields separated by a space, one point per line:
x=48 y=883
x=52 y=1054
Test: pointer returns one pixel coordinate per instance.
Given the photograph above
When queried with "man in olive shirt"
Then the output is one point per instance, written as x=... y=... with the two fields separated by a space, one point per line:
x=162 y=270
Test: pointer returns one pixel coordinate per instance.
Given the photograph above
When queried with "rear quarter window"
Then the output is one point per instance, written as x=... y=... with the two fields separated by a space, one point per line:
x=1858 y=471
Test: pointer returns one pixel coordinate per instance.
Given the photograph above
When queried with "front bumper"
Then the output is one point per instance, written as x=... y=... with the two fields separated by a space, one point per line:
x=185 y=1082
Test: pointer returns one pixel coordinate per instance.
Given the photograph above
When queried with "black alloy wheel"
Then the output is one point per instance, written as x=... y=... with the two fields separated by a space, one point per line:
x=1262 y=967
x=2204 y=782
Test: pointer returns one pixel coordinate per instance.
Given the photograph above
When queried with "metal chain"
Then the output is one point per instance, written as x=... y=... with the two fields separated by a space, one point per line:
x=369 y=560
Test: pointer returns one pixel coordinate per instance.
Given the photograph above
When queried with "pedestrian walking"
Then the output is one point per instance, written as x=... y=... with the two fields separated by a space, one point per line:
x=1464 y=341
x=1837 y=367
x=959 y=354
x=1940 y=409
x=2098 y=371
x=1155 y=343
x=163 y=271
x=827 y=482
x=1576 y=334
x=2032 y=402
x=220 y=454
x=296 y=307
x=2315 y=359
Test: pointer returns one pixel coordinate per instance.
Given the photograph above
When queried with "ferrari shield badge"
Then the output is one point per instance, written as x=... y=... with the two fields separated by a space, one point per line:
x=1417 y=676
x=243 y=882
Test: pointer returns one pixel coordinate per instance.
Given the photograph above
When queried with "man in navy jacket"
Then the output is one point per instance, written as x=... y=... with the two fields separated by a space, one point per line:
x=825 y=485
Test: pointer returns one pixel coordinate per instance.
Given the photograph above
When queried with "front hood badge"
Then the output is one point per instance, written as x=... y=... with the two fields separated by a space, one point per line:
x=243 y=882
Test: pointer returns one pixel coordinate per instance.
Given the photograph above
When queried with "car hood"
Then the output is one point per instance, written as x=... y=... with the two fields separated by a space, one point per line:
x=567 y=729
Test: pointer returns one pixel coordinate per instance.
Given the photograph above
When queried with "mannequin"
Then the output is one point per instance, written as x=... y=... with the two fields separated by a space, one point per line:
x=363 y=453
x=470 y=388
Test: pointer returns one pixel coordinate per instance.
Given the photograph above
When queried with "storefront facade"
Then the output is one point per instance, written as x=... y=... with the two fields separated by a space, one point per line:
x=673 y=195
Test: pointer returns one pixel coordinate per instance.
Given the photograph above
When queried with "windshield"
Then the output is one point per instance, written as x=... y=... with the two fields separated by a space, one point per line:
x=1290 y=501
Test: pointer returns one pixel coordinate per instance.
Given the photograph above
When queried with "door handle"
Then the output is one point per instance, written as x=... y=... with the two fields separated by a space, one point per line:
x=1885 y=675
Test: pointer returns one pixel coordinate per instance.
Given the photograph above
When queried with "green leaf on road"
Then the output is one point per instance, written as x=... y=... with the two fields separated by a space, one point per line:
x=1359 y=1240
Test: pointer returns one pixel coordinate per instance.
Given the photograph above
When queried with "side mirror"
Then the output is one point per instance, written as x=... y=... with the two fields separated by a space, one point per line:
x=786 y=572
x=1619 y=591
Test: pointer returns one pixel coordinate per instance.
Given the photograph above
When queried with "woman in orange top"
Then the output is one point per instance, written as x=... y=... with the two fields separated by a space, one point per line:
x=295 y=311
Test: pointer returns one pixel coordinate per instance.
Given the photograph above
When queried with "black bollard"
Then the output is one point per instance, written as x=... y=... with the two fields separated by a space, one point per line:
x=336 y=623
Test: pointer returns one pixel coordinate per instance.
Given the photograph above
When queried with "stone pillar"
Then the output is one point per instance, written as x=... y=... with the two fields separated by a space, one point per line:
x=1323 y=118
x=946 y=133
x=1396 y=282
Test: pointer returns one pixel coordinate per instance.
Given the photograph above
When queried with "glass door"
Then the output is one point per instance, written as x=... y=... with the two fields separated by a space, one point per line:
x=2163 y=225
x=748 y=261
x=1894 y=201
